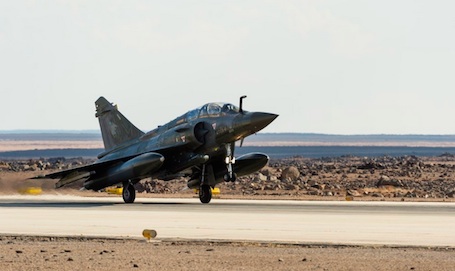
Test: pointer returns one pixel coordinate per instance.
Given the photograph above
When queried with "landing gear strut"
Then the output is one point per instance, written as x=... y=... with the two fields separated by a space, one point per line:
x=230 y=176
x=205 y=191
x=129 y=193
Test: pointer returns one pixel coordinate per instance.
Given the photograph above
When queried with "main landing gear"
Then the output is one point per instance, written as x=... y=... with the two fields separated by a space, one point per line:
x=205 y=191
x=129 y=193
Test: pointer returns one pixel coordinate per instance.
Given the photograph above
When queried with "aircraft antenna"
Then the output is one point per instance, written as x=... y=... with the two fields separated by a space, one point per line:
x=241 y=103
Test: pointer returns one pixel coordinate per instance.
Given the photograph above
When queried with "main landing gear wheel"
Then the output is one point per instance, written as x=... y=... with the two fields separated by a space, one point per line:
x=205 y=193
x=129 y=193
x=228 y=178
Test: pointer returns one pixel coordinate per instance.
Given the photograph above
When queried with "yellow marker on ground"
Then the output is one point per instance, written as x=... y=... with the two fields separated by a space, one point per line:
x=30 y=191
x=215 y=191
x=149 y=234
x=114 y=190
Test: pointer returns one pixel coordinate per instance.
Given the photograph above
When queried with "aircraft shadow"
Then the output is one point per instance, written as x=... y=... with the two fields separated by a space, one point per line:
x=55 y=204
x=61 y=204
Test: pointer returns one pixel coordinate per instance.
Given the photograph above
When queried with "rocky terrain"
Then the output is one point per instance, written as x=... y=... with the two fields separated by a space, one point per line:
x=408 y=177
x=355 y=178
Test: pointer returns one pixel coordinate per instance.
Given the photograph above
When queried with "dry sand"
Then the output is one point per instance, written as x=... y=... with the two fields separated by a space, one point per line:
x=53 y=253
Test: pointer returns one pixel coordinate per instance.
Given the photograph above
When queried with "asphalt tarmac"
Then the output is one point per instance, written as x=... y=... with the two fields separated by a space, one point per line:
x=307 y=222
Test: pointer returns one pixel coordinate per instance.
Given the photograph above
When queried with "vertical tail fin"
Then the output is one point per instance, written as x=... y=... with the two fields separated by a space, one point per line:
x=115 y=128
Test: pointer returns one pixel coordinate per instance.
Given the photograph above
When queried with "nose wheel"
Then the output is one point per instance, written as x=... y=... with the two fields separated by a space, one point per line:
x=230 y=177
x=128 y=193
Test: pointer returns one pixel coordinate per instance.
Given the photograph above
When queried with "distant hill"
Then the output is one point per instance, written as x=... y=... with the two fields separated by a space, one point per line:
x=49 y=131
x=48 y=136
x=261 y=139
x=36 y=144
x=312 y=139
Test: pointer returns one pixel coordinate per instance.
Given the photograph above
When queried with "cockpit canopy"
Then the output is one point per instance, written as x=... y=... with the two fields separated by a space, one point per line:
x=213 y=110
x=206 y=111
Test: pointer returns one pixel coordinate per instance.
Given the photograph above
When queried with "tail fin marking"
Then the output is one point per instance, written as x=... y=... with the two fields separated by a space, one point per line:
x=115 y=128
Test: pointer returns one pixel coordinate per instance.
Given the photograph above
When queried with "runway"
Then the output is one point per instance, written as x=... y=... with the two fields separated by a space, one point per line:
x=373 y=223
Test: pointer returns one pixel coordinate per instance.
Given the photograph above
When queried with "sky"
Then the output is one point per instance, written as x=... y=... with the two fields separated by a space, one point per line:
x=334 y=66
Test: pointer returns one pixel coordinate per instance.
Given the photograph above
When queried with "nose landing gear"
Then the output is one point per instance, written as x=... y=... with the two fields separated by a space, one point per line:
x=230 y=176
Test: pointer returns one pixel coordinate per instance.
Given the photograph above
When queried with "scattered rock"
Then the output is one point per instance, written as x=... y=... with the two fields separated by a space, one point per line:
x=261 y=177
x=267 y=171
x=385 y=180
x=353 y=193
x=272 y=178
x=290 y=173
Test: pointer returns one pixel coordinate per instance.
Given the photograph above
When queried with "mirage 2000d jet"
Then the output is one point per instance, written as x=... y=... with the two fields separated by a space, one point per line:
x=198 y=145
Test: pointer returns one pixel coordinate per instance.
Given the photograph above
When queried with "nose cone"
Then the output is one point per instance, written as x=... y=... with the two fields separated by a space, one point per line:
x=260 y=120
x=247 y=124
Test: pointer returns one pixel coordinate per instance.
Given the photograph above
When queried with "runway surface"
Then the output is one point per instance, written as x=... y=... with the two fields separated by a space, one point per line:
x=377 y=223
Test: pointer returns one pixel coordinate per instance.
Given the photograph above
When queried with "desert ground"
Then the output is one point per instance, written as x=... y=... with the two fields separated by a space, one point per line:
x=346 y=178
x=80 y=253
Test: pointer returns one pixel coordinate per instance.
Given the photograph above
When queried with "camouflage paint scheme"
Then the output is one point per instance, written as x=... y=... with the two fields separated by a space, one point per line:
x=198 y=145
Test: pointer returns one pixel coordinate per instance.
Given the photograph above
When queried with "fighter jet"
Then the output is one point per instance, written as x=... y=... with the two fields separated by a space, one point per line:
x=198 y=145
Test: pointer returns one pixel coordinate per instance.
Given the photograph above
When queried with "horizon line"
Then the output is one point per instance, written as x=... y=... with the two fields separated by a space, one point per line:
x=95 y=131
